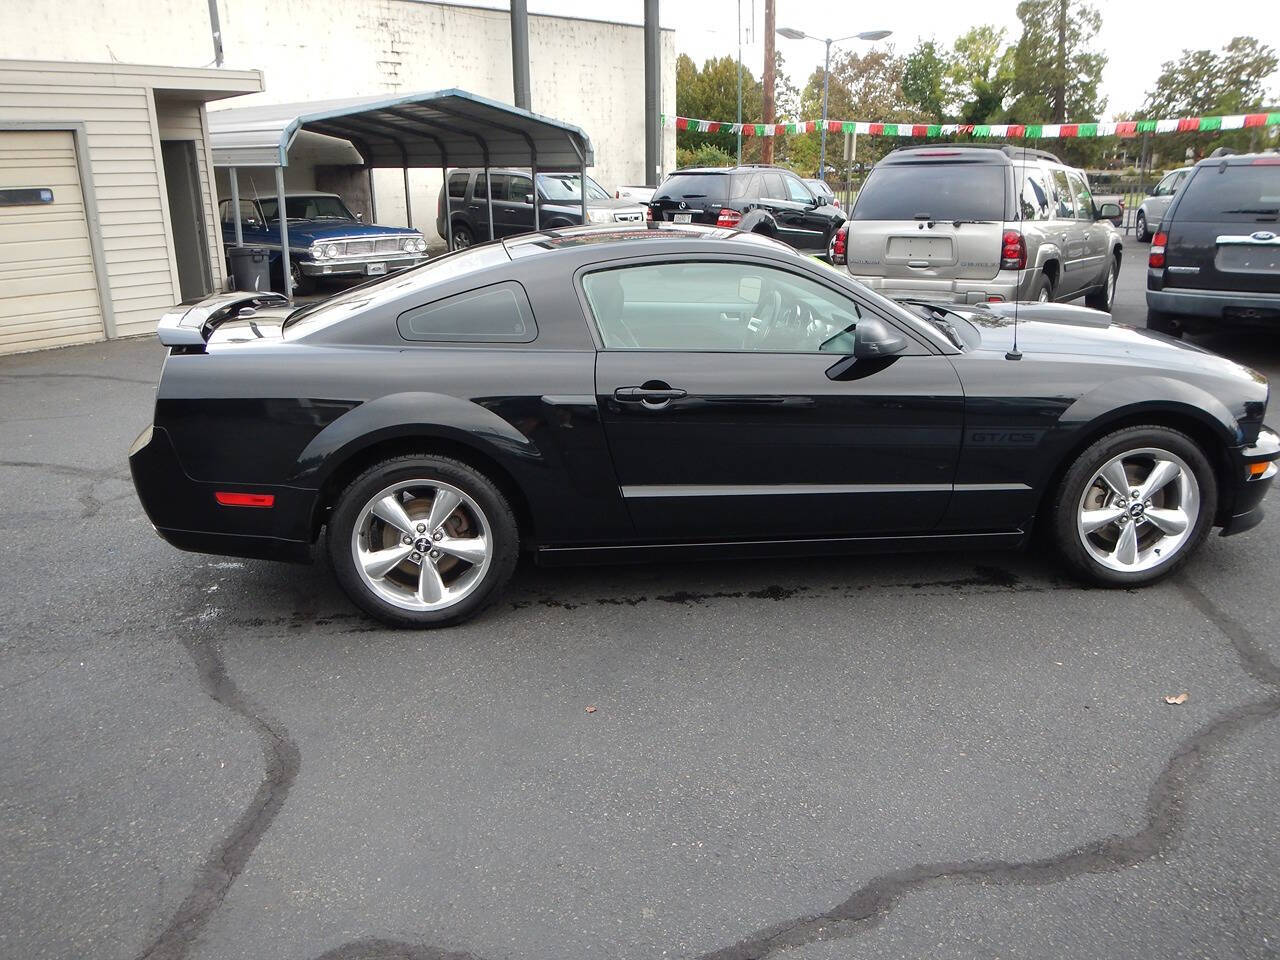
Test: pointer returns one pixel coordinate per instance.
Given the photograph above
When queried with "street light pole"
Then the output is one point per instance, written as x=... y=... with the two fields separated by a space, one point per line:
x=791 y=33
x=826 y=82
x=739 y=82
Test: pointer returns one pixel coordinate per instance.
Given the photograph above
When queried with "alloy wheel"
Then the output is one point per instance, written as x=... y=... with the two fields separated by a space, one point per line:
x=1139 y=510
x=461 y=239
x=422 y=545
x=1044 y=295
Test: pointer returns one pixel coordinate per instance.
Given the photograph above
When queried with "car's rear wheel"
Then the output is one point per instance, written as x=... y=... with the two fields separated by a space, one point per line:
x=1044 y=290
x=1102 y=298
x=462 y=237
x=423 y=541
x=1140 y=227
x=1134 y=506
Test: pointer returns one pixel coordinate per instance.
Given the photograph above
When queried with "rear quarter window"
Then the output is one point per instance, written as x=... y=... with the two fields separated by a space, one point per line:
x=1232 y=193
x=499 y=313
x=934 y=190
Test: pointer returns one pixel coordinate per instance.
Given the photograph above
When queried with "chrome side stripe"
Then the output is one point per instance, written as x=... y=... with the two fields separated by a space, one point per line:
x=805 y=489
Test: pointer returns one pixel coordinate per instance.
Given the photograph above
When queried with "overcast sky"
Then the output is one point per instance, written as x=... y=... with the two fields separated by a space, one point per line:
x=1136 y=37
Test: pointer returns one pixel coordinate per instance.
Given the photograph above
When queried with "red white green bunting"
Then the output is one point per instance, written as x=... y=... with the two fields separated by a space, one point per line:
x=1031 y=131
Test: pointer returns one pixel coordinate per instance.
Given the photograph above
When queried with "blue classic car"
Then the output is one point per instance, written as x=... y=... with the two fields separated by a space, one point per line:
x=325 y=239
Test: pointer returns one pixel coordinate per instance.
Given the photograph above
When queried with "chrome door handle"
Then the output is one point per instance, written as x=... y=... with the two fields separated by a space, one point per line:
x=648 y=394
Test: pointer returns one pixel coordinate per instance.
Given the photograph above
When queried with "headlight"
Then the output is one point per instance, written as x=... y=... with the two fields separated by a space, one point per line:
x=420 y=245
x=317 y=251
x=409 y=245
x=331 y=250
x=600 y=216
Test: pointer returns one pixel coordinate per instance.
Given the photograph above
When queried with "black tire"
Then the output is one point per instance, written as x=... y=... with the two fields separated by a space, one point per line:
x=462 y=236
x=503 y=530
x=1140 y=229
x=1064 y=511
x=1163 y=323
x=1101 y=298
x=303 y=285
x=1043 y=291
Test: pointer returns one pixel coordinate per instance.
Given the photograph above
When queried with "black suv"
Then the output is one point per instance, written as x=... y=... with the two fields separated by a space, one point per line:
x=559 y=204
x=1215 y=260
x=768 y=200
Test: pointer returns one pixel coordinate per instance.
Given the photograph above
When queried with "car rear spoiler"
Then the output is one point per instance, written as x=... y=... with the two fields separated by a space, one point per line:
x=190 y=324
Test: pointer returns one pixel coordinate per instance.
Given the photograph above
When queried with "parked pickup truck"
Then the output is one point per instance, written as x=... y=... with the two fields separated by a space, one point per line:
x=325 y=239
x=636 y=194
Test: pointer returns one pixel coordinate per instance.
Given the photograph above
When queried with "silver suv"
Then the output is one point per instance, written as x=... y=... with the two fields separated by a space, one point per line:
x=1153 y=207
x=969 y=224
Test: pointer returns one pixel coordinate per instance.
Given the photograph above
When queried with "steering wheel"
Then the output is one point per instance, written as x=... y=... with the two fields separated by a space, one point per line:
x=792 y=324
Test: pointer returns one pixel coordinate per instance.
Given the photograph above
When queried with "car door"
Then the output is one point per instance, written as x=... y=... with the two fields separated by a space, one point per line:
x=518 y=205
x=1161 y=196
x=1065 y=231
x=775 y=195
x=733 y=409
x=479 y=205
x=1093 y=233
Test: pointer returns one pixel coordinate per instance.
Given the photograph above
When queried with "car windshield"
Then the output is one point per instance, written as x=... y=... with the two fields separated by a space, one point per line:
x=934 y=191
x=381 y=290
x=568 y=186
x=1233 y=193
x=317 y=207
x=694 y=186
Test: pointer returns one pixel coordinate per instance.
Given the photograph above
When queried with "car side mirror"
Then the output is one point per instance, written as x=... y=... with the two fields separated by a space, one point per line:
x=875 y=339
x=359 y=217
x=1109 y=211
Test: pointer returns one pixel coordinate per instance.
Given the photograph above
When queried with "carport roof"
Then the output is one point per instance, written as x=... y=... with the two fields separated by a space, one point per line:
x=435 y=129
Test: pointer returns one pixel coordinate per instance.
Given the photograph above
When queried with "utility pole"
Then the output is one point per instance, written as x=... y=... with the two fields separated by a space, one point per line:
x=1060 y=81
x=652 y=93
x=766 y=148
x=520 y=52
x=739 y=2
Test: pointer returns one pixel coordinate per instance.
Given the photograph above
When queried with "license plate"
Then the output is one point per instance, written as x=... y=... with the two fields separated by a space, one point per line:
x=375 y=269
x=1249 y=258
x=683 y=218
x=933 y=249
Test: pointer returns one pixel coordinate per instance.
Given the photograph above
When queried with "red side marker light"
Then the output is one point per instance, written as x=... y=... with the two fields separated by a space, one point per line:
x=228 y=498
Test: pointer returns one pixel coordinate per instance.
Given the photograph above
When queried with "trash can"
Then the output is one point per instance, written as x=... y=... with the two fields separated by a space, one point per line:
x=250 y=268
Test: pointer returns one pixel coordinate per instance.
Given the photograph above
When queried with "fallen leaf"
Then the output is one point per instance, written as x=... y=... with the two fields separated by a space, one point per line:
x=1179 y=699
x=593 y=709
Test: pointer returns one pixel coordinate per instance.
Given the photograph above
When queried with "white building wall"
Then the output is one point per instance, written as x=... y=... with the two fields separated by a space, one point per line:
x=584 y=72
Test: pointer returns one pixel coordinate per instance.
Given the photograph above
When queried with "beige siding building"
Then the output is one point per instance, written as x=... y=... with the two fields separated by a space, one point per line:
x=107 y=206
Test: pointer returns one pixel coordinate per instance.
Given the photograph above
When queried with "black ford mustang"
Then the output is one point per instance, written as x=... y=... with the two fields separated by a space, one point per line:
x=601 y=393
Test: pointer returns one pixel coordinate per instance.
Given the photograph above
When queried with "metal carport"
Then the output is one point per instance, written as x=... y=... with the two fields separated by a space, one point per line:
x=443 y=128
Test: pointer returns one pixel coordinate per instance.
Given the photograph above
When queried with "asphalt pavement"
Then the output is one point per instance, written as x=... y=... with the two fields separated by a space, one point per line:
x=941 y=755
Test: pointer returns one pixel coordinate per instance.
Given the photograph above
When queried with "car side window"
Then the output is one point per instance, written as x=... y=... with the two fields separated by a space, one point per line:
x=498 y=313
x=458 y=185
x=248 y=212
x=499 y=182
x=1065 y=208
x=720 y=307
x=519 y=190
x=797 y=191
x=1035 y=197
x=773 y=186
x=1084 y=198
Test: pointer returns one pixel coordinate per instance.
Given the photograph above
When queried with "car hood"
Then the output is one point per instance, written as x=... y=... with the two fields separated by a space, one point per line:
x=335 y=229
x=1068 y=330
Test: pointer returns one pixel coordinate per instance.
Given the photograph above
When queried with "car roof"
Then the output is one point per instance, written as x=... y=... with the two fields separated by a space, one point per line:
x=610 y=238
x=1240 y=159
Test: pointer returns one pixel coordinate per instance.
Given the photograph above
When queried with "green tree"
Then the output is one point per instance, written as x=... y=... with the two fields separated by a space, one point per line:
x=712 y=94
x=1057 y=68
x=1205 y=83
x=924 y=78
x=867 y=87
x=979 y=75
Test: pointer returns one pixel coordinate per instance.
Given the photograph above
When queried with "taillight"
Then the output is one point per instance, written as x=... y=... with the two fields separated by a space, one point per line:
x=728 y=218
x=1013 y=251
x=1155 y=257
x=648 y=212
x=839 y=249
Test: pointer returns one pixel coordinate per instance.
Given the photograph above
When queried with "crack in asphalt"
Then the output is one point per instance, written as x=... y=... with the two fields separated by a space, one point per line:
x=75 y=376
x=90 y=503
x=229 y=857
x=865 y=908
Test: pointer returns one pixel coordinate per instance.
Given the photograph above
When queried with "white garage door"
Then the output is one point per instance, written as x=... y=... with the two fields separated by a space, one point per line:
x=48 y=290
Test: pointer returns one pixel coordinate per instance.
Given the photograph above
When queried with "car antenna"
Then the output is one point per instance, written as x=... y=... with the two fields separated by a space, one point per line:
x=1014 y=353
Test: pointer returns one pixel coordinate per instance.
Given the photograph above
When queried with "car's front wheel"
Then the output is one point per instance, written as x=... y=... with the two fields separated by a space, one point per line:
x=1134 y=506
x=423 y=541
